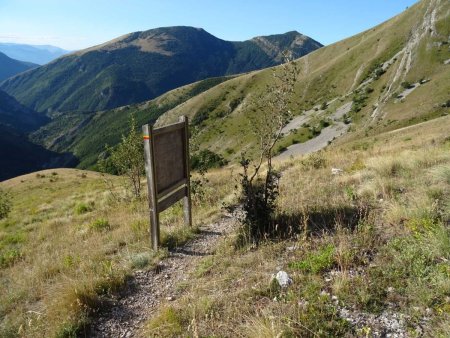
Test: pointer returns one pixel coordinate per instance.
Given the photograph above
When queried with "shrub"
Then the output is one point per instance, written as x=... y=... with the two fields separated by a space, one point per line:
x=199 y=117
x=378 y=72
x=9 y=257
x=406 y=85
x=100 y=224
x=126 y=159
x=141 y=260
x=324 y=123
x=258 y=199
x=83 y=208
x=206 y=159
x=259 y=192
x=314 y=161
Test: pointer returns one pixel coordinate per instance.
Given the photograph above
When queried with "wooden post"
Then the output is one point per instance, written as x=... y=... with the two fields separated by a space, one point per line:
x=187 y=207
x=151 y=184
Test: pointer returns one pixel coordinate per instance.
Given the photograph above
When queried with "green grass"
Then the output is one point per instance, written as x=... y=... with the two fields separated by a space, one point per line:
x=319 y=261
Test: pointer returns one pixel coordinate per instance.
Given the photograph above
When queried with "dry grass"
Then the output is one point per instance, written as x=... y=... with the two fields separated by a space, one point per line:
x=67 y=242
x=380 y=225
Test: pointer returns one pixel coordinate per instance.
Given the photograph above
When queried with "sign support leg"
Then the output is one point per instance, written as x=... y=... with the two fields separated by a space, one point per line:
x=187 y=205
x=151 y=185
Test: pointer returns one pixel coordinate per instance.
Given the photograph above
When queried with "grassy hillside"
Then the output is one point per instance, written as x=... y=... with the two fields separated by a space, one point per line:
x=371 y=70
x=143 y=65
x=86 y=134
x=393 y=75
x=67 y=242
x=375 y=238
x=368 y=251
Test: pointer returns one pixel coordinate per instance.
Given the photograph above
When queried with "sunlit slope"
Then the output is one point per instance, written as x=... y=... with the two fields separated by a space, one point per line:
x=140 y=66
x=368 y=69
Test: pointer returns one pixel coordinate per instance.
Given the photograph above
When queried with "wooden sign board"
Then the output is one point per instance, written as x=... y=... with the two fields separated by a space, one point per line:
x=166 y=153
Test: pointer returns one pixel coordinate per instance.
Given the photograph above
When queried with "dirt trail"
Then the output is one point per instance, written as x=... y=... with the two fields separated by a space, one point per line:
x=146 y=290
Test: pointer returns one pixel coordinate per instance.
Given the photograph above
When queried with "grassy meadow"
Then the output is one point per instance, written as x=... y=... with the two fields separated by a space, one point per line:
x=374 y=240
x=73 y=236
x=369 y=242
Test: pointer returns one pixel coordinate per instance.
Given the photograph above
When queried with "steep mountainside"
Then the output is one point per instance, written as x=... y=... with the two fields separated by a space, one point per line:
x=142 y=65
x=10 y=67
x=38 y=54
x=85 y=134
x=391 y=76
x=18 y=117
x=17 y=154
x=361 y=80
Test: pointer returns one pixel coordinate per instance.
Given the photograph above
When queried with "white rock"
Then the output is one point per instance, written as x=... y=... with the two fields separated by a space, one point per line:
x=283 y=279
x=336 y=171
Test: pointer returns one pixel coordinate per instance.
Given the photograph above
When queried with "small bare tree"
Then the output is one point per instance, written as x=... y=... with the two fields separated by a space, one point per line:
x=271 y=114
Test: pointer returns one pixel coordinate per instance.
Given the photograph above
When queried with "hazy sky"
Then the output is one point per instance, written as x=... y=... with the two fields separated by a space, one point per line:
x=76 y=24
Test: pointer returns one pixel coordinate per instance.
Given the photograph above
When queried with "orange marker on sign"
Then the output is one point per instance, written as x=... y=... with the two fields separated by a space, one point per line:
x=146 y=137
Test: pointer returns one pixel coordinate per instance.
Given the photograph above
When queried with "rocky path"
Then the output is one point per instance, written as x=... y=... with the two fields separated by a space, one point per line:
x=146 y=290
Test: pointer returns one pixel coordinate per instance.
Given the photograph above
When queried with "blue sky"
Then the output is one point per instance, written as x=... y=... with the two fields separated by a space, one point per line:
x=76 y=24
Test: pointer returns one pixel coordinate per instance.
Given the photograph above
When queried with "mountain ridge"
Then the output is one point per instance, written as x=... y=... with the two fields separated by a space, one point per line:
x=140 y=66
x=38 y=54
x=354 y=73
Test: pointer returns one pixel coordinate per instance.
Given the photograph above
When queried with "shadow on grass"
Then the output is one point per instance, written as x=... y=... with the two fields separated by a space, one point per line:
x=310 y=223
x=317 y=222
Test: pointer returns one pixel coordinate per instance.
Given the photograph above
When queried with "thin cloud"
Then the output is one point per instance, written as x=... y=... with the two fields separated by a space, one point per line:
x=43 y=39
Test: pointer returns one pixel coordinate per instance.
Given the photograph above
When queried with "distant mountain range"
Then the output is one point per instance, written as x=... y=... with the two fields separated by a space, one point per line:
x=142 y=65
x=38 y=54
x=385 y=77
x=10 y=67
